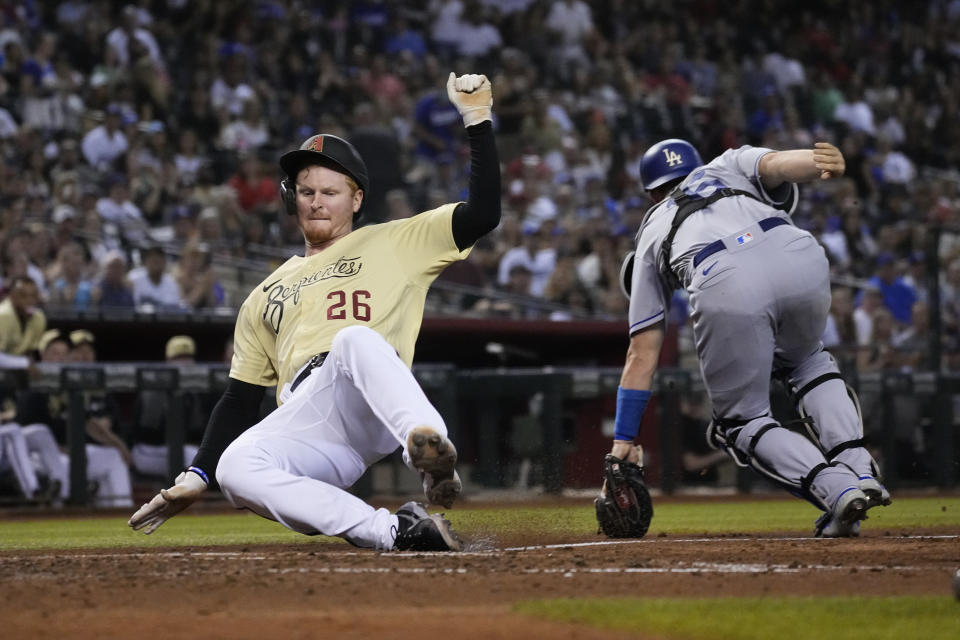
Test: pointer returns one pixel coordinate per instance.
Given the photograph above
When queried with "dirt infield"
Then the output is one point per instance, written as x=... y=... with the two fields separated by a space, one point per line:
x=336 y=591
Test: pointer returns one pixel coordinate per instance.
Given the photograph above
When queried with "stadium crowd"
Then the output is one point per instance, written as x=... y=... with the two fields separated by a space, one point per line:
x=139 y=142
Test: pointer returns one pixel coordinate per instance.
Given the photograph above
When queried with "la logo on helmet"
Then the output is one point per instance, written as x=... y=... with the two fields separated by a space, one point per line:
x=673 y=158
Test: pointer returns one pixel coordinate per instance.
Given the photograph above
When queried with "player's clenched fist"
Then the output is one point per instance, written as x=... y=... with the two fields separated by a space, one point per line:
x=168 y=503
x=472 y=95
x=828 y=159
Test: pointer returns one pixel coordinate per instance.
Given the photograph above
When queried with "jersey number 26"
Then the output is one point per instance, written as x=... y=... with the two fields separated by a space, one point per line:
x=338 y=310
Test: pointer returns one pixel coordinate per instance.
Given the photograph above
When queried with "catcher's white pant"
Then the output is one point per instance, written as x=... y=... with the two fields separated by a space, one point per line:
x=105 y=466
x=294 y=466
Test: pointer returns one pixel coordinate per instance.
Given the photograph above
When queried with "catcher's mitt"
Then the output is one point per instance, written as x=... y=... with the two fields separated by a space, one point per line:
x=624 y=508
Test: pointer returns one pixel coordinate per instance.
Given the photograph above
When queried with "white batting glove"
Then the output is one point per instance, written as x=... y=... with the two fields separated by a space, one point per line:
x=472 y=95
x=168 y=503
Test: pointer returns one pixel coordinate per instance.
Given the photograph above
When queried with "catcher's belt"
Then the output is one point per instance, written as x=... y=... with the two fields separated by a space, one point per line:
x=624 y=508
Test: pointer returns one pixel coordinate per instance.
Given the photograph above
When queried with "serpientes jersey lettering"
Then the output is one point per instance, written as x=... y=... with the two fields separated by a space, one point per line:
x=376 y=276
x=736 y=169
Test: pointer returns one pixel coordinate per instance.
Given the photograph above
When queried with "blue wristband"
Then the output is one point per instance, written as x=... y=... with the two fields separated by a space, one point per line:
x=631 y=403
x=200 y=472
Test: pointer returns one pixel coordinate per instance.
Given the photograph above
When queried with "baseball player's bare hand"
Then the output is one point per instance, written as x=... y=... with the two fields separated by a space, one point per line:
x=168 y=503
x=472 y=95
x=626 y=450
x=828 y=159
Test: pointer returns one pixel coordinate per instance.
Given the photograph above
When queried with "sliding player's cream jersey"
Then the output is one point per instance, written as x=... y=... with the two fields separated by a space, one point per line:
x=376 y=276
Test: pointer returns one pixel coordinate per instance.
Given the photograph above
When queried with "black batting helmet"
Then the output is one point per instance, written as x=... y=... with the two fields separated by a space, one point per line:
x=326 y=150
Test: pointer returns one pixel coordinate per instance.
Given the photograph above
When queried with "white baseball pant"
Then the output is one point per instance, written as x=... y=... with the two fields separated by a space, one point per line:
x=296 y=464
x=105 y=466
x=14 y=454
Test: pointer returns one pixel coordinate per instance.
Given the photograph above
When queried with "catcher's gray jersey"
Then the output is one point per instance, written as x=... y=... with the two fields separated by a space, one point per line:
x=759 y=292
x=735 y=169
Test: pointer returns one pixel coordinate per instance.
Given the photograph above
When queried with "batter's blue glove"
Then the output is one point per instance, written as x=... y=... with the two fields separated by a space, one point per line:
x=168 y=503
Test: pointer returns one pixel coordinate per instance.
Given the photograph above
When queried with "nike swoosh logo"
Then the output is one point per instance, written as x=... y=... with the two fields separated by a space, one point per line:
x=270 y=286
x=708 y=269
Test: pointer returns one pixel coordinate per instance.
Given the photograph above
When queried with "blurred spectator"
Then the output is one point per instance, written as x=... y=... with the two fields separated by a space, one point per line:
x=840 y=328
x=537 y=258
x=247 y=133
x=599 y=268
x=880 y=354
x=254 y=188
x=21 y=323
x=871 y=301
x=197 y=279
x=571 y=23
x=14 y=266
x=114 y=290
x=436 y=126
x=518 y=281
x=898 y=296
x=854 y=112
x=105 y=143
x=149 y=448
x=401 y=38
x=564 y=287
x=890 y=167
x=121 y=217
x=70 y=284
x=229 y=93
x=188 y=160
x=473 y=36
x=589 y=84
x=699 y=460
x=378 y=145
x=121 y=39
x=152 y=285
x=914 y=341
x=107 y=455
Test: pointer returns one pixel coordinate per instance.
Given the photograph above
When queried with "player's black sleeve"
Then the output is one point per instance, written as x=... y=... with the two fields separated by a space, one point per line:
x=480 y=214
x=237 y=410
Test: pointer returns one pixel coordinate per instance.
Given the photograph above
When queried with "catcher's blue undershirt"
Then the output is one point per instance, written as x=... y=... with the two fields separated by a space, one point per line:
x=631 y=403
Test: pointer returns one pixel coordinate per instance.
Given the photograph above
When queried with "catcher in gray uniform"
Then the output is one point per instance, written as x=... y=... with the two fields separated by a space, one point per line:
x=759 y=292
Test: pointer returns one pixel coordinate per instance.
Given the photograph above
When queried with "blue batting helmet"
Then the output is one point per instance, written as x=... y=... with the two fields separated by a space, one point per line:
x=667 y=160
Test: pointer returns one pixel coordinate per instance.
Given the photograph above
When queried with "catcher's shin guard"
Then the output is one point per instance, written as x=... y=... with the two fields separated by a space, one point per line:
x=722 y=434
x=819 y=435
x=624 y=508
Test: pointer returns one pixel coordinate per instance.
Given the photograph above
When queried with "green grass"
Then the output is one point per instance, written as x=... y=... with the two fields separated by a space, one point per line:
x=547 y=522
x=846 y=618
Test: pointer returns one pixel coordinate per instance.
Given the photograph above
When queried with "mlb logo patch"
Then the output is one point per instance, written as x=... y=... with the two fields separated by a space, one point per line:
x=745 y=238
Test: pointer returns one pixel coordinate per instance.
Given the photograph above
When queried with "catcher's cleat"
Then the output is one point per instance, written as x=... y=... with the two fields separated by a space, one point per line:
x=843 y=521
x=418 y=530
x=434 y=456
x=877 y=494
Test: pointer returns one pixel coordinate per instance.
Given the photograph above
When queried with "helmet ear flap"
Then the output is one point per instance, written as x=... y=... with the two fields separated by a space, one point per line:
x=288 y=193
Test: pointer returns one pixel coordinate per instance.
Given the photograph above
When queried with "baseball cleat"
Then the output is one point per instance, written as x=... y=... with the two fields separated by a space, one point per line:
x=418 y=530
x=434 y=456
x=876 y=493
x=843 y=521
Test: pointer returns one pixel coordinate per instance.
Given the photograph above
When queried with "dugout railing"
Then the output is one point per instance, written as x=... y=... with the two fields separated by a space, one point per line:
x=474 y=402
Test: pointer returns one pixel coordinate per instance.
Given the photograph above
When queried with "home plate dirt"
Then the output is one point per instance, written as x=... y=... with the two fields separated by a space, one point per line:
x=336 y=591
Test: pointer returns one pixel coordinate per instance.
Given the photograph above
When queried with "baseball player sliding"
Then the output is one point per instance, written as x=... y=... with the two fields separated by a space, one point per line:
x=335 y=330
x=759 y=291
